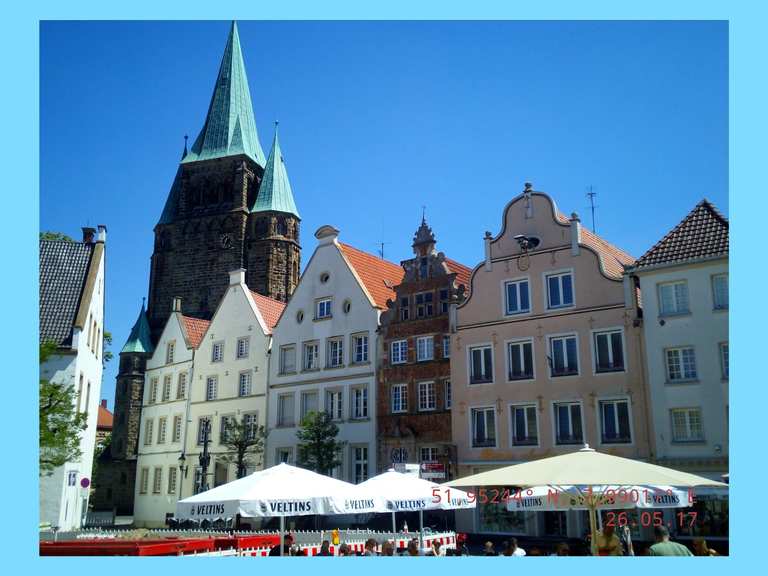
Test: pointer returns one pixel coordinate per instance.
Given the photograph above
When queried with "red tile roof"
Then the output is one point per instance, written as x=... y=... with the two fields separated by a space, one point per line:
x=104 y=418
x=378 y=276
x=614 y=259
x=270 y=309
x=703 y=233
x=196 y=329
x=462 y=272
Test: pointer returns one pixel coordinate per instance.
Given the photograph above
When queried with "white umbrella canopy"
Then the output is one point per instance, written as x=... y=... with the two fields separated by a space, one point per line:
x=405 y=493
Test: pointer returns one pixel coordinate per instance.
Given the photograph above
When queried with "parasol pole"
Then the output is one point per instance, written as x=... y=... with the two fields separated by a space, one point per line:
x=280 y=537
x=394 y=526
x=421 y=529
x=592 y=521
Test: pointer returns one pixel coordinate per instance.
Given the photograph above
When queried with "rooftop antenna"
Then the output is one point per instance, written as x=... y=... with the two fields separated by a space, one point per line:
x=143 y=301
x=380 y=250
x=423 y=214
x=591 y=195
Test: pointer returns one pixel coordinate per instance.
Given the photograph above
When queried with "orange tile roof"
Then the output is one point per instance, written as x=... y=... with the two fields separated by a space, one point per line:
x=614 y=259
x=104 y=418
x=270 y=309
x=462 y=272
x=196 y=329
x=378 y=276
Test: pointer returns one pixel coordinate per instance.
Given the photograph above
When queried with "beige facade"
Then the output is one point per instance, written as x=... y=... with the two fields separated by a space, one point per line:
x=546 y=351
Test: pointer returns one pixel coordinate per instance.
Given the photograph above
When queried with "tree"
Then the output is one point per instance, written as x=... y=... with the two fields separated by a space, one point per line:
x=318 y=449
x=107 y=356
x=55 y=236
x=60 y=423
x=244 y=443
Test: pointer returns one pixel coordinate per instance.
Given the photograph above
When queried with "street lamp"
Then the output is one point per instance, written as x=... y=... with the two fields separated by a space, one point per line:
x=205 y=457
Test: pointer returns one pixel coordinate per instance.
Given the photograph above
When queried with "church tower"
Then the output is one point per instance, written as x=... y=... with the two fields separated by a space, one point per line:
x=208 y=226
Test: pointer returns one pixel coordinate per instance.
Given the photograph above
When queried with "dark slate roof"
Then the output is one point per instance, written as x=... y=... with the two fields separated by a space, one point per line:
x=63 y=270
x=703 y=233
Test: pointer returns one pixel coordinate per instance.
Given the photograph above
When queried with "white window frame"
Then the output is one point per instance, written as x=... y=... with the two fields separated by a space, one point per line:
x=429 y=348
x=283 y=420
x=144 y=480
x=162 y=429
x=554 y=405
x=244 y=388
x=172 y=479
x=283 y=367
x=446 y=346
x=678 y=310
x=363 y=403
x=223 y=423
x=242 y=348
x=200 y=420
x=157 y=480
x=427 y=386
x=724 y=351
x=360 y=341
x=403 y=396
x=433 y=454
x=178 y=422
x=505 y=296
x=365 y=462
x=470 y=348
x=323 y=308
x=304 y=393
x=398 y=344
x=334 y=359
x=472 y=427
x=151 y=392
x=551 y=354
x=284 y=450
x=217 y=346
x=593 y=334
x=251 y=422
x=165 y=395
x=211 y=392
x=688 y=440
x=149 y=428
x=306 y=347
x=510 y=408
x=683 y=378
x=181 y=386
x=545 y=282
x=599 y=404
x=334 y=407
x=715 y=278
x=170 y=349
x=508 y=359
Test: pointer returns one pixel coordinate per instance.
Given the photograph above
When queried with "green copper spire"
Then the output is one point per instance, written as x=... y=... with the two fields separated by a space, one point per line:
x=275 y=191
x=229 y=127
x=139 y=340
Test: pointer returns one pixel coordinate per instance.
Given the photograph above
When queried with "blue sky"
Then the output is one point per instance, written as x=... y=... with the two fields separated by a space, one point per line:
x=380 y=118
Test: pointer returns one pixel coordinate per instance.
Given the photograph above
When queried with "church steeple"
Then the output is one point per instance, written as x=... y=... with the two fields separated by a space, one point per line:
x=229 y=127
x=139 y=339
x=275 y=193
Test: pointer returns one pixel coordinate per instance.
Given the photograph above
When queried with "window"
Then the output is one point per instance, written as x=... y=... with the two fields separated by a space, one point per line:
x=609 y=351
x=424 y=304
x=166 y=388
x=334 y=404
x=347 y=306
x=152 y=391
x=399 y=353
x=360 y=462
x=423 y=268
x=176 y=433
x=308 y=403
x=525 y=430
x=149 y=425
x=251 y=424
x=425 y=348
x=244 y=384
x=144 y=481
x=226 y=422
x=481 y=364
x=720 y=291
x=243 y=346
x=724 y=360
x=287 y=359
x=444 y=300
x=157 y=480
x=559 y=290
x=285 y=455
x=427 y=398
x=203 y=430
x=428 y=454
x=323 y=309
x=681 y=364
x=285 y=411
x=520 y=360
x=673 y=298
x=360 y=402
x=447 y=394
x=217 y=352
x=686 y=425
x=563 y=360
x=483 y=427
x=404 y=308
x=568 y=423
x=172 y=480
x=446 y=346
x=311 y=356
x=181 y=386
x=335 y=353
x=170 y=348
x=399 y=398
x=360 y=348
x=614 y=422
x=211 y=387
x=516 y=297
x=162 y=429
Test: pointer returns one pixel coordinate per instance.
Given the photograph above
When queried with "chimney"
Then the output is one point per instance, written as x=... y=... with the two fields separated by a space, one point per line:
x=88 y=235
x=326 y=234
x=103 y=403
x=237 y=277
x=176 y=304
x=487 y=240
x=102 y=233
x=575 y=234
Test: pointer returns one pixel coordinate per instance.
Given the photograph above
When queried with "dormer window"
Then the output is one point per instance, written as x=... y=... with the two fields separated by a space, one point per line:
x=404 y=308
x=423 y=268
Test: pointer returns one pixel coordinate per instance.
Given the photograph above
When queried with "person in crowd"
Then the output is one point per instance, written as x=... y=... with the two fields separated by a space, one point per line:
x=287 y=544
x=413 y=548
x=387 y=548
x=325 y=548
x=700 y=548
x=511 y=548
x=370 y=547
x=489 y=550
x=562 y=549
x=664 y=546
x=608 y=542
x=437 y=549
x=344 y=550
x=535 y=552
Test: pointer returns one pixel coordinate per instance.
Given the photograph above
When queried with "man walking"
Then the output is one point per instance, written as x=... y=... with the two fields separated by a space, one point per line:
x=664 y=546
